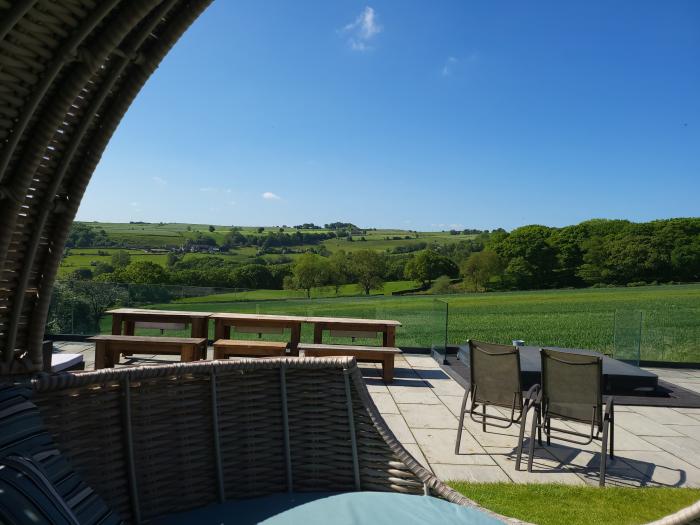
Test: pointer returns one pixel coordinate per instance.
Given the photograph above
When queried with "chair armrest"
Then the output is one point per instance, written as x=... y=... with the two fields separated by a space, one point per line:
x=533 y=397
x=609 y=407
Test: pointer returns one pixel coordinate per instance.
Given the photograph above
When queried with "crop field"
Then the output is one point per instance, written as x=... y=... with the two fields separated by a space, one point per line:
x=670 y=317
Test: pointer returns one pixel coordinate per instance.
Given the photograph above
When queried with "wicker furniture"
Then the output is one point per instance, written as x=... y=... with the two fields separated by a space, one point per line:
x=225 y=348
x=109 y=347
x=162 y=439
x=368 y=354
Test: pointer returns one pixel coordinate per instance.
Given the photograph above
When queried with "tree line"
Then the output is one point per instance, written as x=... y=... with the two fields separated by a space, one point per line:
x=593 y=253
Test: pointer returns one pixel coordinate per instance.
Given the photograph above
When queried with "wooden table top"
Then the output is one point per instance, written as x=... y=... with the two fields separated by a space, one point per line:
x=255 y=317
x=155 y=313
x=258 y=317
x=148 y=339
x=349 y=320
x=350 y=348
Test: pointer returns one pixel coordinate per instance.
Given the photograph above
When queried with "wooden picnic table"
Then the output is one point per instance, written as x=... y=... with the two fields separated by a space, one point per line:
x=128 y=317
x=349 y=327
x=249 y=322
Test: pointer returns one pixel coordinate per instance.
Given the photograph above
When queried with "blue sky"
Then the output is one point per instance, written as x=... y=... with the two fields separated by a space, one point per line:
x=420 y=115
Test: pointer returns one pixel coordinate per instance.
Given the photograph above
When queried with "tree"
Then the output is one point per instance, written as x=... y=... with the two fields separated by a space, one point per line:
x=141 y=272
x=171 y=259
x=339 y=266
x=102 y=268
x=441 y=285
x=309 y=271
x=530 y=244
x=519 y=273
x=121 y=259
x=261 y=229
x=480 y=267
x=686 y=261
x=368 y=268
x=429 y=265
x=211 y=228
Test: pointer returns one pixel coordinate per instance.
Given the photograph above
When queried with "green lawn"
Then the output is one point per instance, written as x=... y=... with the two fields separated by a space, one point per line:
x=565 y=505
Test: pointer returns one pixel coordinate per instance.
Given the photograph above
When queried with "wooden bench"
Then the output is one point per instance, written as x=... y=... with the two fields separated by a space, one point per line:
x=109 y=347
x=370 y=354
x=225 y=348
x=260 y=324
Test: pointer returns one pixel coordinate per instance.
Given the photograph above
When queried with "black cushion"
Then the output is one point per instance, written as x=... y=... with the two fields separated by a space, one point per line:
x=28 y=497
x=22 y=435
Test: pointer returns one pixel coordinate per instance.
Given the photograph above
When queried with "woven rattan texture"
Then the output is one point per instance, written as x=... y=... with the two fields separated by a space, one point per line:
x=168 y=410
x=69 y=70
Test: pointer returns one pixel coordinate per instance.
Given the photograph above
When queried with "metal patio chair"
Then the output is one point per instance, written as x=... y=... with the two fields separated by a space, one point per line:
x=572 y=390
x=494 y=379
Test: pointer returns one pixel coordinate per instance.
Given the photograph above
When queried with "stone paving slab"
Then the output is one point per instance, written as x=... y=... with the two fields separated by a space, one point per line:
x=655 y=446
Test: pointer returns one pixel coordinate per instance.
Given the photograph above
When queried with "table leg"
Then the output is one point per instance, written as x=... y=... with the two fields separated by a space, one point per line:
x=200 y=328
x=188 y=353
x=318 y=333
x=116 y=324
x=388 y=369
x=389 y=336
x=129 y=327
x=105 y=357
x=295 y=339
x=218 y=329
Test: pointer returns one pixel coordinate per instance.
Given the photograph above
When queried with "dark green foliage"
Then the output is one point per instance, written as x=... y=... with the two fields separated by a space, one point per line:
x=82 y=235
x=600 y=252
x=77 y=306
x=368 y=268
x=429 y=265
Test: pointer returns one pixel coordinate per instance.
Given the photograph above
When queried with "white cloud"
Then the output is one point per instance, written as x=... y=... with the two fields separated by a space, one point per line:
x=363 y=30
x=134 y=204
x=268 y=195
x=449 y=66
x=160 y=180
x=452 y=64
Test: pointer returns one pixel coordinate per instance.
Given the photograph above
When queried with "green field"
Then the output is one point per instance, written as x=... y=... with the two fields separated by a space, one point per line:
x=568 y=318
x=138 y=238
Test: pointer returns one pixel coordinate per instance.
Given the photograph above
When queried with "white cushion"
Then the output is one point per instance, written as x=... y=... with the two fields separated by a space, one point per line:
x=62 y=361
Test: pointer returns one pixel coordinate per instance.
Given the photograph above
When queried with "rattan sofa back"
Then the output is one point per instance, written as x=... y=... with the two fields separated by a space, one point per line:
x=161 y=439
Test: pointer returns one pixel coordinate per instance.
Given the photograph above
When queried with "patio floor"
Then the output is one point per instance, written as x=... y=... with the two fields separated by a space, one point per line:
x=654 y=446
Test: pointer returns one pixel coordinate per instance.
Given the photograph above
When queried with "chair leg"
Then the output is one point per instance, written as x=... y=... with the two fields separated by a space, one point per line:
x=483 y=417
x=461 y=420
x=539 y=427
x=549 y=430
x=604 y=452
x=612 y=432
x=532 y=441
x=521 y=438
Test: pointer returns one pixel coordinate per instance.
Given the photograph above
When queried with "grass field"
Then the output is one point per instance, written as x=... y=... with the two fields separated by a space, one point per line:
x=565 y=505
x=138 y=237
x=568 y=318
